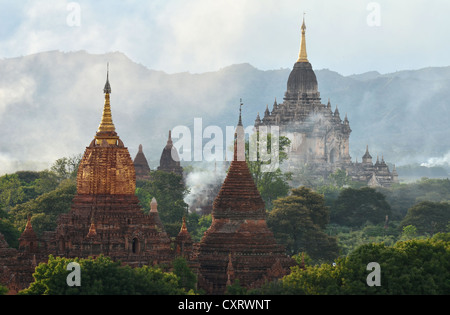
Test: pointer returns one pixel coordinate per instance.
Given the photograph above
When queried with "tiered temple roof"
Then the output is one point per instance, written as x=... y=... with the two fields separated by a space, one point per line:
x=239 y=244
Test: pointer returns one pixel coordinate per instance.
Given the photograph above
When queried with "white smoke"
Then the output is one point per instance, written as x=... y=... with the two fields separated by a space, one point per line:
x=204 y=185
x=438 y=161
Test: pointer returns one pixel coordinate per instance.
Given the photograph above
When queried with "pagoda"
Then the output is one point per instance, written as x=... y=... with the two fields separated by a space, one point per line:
x=319 y=137
x=106 y=217
x=141 y=166
x=239 y=245
x=170 y=160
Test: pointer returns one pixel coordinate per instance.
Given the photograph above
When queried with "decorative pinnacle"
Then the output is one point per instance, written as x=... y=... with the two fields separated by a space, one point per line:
x=107 y=130
x=239 y=144
x=106 y=124
x=240 y=113
x=107 y=89
x=303 y=56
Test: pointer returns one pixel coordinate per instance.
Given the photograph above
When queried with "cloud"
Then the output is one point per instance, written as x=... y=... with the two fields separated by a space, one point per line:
x=204 y=35
x=438 y=161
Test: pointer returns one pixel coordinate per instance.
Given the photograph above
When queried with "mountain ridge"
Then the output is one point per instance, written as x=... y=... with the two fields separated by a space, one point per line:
x=51 y=104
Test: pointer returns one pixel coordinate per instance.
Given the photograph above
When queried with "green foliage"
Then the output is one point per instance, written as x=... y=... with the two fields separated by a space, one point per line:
x=66 y=167
x=355 y=207
x=169 y=191
x=410 y=267
x=101 y=276
x=428 y=217
x=3 y=290
x=401 y=197
x=340 y=178
x=11 y=191
x=269 y=179
x=236 y=289
x=409 y=232
x=187 y=279
x=45 y=209
x=298 y=222
x=197 y=225
x=9 y=231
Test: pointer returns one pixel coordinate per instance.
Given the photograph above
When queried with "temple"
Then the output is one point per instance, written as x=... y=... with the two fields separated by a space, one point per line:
x=105 y=216
x=170 y=161
x=319 y=136
x=239 y=245
x=141 y=166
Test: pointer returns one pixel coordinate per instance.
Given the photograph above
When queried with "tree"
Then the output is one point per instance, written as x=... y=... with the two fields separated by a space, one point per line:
x=11 y=191
x=187 y=279
x=355 y=207
x=410 y=267
x=428 y=217
x=409 y=232
x=3 y=290
x=298 y=221
x=66 y=167
x=340 y=178
x=101 y=276
x=269 y=179
x=45 y=209
x=9 y=231
x=169 y=191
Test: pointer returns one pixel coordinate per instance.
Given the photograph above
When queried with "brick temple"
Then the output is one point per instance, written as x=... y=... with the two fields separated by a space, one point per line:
x=141 y=166
x=105 y=216
x=239 y=245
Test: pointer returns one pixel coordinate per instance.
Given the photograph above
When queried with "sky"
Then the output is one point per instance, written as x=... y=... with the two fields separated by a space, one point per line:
x=196 y=36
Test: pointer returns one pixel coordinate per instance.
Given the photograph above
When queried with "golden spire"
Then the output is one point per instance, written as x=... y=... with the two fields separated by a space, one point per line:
x=303 y=56
x=107 y=130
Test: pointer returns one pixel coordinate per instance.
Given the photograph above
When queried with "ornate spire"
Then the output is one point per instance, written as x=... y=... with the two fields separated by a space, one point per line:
x=239 y=138
x=107 y=130
x=169 y=140
x=303 y=56
x=107 y=89
x=240 y=113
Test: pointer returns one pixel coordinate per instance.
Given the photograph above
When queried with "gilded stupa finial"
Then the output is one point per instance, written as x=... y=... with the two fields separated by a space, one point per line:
x=107 y=130
x=303 y=56
x=107 y=89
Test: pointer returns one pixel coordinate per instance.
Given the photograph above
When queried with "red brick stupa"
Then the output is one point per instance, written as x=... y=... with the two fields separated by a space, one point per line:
x=239 y=245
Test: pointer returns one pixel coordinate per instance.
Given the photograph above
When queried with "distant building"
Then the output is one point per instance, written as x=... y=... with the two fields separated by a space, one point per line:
x=319 y=137
x=141 y=165
x=170 y=161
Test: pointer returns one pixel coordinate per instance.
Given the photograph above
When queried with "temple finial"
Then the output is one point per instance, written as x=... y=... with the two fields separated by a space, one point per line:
x=107 y=130
x=107 y=89
x=303 y=56
x=239 y=138
x=240 y=113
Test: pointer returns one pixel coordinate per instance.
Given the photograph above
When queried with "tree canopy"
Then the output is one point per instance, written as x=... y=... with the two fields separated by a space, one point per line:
x=298 y=221
x=354 y=207
x=102 y=276
x=409 y=267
